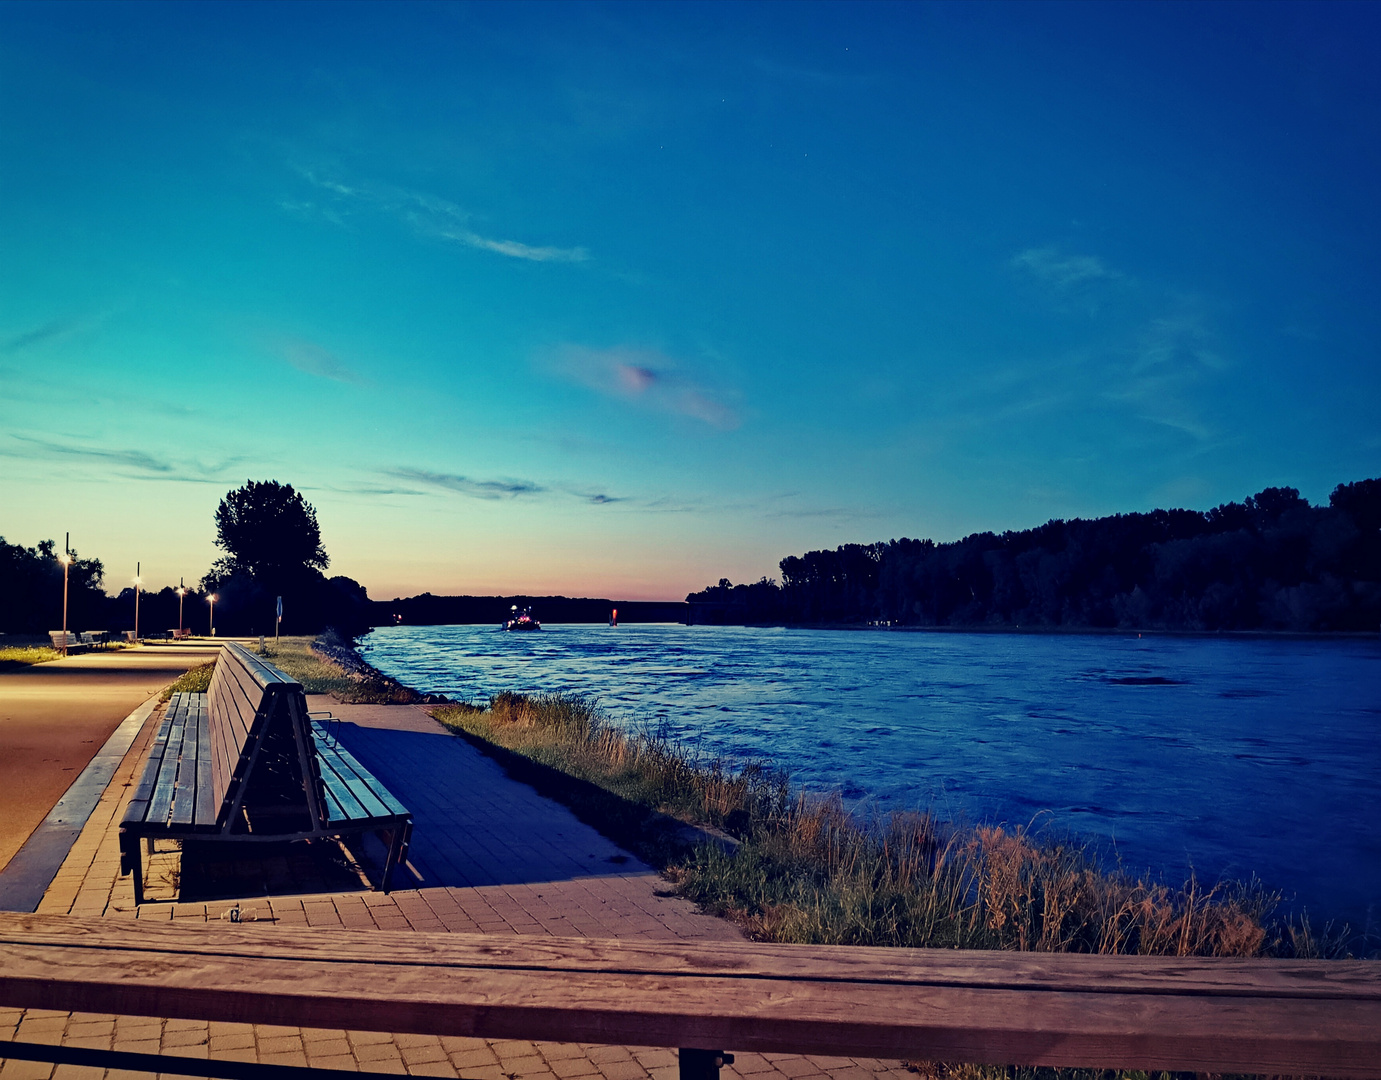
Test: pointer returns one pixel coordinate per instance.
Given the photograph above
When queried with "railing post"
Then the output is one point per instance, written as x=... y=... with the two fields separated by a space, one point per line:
x=702 y=1064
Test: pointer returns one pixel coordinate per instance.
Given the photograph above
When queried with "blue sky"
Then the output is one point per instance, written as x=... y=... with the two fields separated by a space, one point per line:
x=618 y=299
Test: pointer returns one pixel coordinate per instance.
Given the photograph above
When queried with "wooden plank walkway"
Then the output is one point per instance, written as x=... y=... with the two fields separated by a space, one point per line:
x=1203 y=1015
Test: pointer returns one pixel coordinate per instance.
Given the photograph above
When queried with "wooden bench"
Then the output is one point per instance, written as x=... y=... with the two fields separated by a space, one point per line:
x=245 y=762
x=1279 y=1017
x=65 y=641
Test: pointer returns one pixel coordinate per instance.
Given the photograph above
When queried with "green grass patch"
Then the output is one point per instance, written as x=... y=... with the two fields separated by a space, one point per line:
x=21 y=656
x=297 y=657
x=195 y=680
x=794 y=869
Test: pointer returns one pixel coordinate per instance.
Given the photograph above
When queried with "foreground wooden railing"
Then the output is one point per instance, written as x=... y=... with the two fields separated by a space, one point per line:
x=1203 y=1015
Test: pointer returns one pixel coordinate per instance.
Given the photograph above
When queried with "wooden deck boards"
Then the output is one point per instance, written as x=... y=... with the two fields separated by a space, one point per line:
x=1281 y=1017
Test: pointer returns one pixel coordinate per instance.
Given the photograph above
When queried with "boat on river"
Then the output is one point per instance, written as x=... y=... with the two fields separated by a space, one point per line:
x=521 y=620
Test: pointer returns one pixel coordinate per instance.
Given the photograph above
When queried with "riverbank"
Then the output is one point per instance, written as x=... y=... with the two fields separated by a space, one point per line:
x=329 y=664
x=789 y=868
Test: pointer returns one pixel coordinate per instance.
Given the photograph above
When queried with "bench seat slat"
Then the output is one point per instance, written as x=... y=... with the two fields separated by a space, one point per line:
x=361 y=782
x=143 y=791
x=356 y=797
x=185 y=789
x=161 y=802
x=207 y=809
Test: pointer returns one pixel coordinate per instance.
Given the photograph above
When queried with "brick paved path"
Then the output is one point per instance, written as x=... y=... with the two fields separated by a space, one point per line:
x=488 y=855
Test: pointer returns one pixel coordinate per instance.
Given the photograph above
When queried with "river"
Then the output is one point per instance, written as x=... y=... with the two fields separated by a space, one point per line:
x=1234 y=756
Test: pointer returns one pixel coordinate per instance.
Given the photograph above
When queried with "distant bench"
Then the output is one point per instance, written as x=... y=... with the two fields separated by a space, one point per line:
x=69 y=640
x=245 y=762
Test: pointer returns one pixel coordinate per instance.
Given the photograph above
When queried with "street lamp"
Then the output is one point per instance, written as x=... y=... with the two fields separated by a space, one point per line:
x=212 y=601
x=66 y=559
x=181 y=592
x=137 y=582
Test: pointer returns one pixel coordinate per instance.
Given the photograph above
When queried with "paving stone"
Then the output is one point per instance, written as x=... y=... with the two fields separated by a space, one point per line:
x=602 y=1055
x=373 y=1052
x=572 y=1067
x=622 y=1070
x=432 y=1068
x=239 y=1041
x=332 y=1061
x=78 y=1072
x=287 y=1057
x=281 y=1044
x=480 y=1057
x=422 y=1054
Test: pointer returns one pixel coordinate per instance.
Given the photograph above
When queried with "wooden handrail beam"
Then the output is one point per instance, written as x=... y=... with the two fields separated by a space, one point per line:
x=1205 y=1015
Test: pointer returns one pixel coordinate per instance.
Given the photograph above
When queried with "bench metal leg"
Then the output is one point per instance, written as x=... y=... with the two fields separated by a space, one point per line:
x=702 y=1064
x=132 y=862
x=398 y=838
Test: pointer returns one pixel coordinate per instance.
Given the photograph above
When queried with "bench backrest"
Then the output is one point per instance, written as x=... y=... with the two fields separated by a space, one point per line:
x=246 y=694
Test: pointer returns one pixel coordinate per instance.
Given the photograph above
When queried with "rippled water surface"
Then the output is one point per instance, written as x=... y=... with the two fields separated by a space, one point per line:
x=1235 y=756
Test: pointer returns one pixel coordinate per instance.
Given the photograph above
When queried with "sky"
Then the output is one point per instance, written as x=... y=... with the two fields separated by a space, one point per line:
x=618 y=300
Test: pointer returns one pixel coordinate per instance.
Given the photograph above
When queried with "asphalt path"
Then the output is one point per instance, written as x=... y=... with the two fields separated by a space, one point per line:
x=54 y=717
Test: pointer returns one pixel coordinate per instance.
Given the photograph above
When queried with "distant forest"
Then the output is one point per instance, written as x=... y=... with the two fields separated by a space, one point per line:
x=1272 y=562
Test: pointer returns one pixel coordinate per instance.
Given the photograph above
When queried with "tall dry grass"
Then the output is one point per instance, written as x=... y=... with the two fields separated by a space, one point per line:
x=806 y=870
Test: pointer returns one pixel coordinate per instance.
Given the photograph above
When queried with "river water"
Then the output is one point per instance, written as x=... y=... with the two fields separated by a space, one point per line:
x=1234 y=756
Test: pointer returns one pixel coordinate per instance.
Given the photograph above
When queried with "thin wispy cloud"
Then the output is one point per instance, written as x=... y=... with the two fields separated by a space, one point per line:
x=313 y=359
x=1171 y=360
x=137 y=462
x=56 y=328
x=646 y=378
x=430 y=216
x=465 y=485
x=1063 y=272
x=1154 y=370
x=507 y=488
x=594 y=498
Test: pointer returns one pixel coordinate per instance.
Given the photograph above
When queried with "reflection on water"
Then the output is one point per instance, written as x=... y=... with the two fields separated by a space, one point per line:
x=1236 y=756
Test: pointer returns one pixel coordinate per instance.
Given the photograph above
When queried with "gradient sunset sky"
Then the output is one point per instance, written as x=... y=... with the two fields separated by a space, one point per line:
x=615 y=300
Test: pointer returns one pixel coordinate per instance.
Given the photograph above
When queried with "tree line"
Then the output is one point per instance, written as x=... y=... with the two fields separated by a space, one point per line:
x=1271 y=562
x=272 y=544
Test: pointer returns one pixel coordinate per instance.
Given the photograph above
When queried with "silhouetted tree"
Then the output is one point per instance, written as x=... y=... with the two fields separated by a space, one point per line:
x=31 y=590
x=273 y=548
x=269 y=531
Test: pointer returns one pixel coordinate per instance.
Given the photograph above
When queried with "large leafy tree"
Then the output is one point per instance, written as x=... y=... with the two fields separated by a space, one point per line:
x=270 y=532
x=31 y=590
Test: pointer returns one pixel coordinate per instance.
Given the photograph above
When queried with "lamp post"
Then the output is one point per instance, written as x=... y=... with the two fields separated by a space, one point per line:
x=66 y=559
x=137 y=582
x=181 y=592
x=212 y=601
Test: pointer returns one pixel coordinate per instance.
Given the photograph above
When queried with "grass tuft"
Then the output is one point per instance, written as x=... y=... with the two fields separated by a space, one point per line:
x=195 y=680
x=19 y=656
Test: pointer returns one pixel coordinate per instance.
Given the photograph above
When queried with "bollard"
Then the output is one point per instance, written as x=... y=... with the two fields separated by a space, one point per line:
x=702 y=1064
